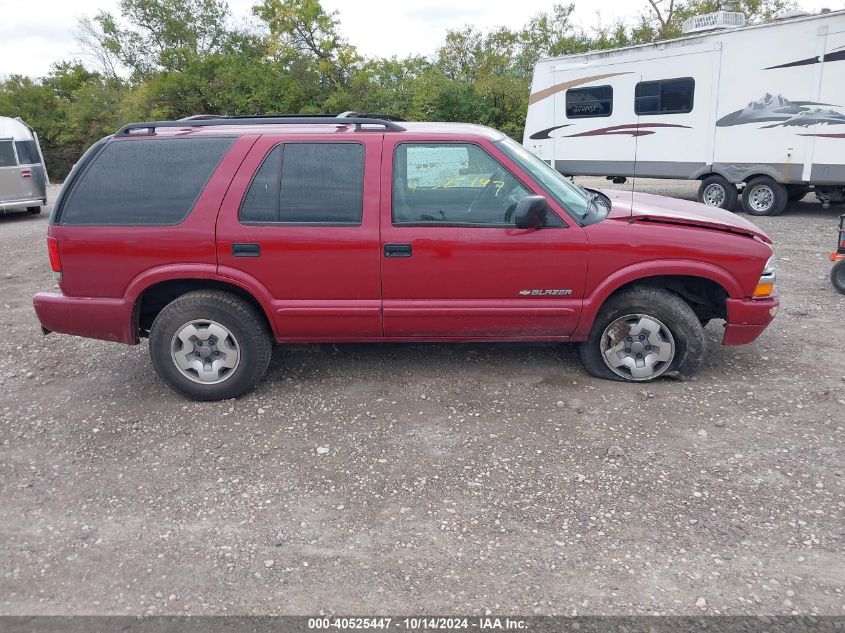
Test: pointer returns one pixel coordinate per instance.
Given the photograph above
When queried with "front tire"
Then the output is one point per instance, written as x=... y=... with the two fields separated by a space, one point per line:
x=643 y=333
x=716 y=191
x=837 y=276
x=210 y=345
x=764 y=196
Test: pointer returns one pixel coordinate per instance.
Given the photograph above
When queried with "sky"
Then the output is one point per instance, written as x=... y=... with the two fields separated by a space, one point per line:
x=34 y=34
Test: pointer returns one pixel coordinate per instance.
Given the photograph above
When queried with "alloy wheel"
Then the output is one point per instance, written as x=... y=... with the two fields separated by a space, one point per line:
x=205 y=351
x=637 y=347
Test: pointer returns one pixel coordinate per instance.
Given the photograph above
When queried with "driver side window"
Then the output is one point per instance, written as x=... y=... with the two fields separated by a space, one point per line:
x=452 y=184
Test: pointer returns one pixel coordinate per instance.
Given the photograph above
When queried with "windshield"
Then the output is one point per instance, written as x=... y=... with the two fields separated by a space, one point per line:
x=569 y=196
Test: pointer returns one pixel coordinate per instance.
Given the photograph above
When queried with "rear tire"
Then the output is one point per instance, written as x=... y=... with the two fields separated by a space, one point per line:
x=837 y=276
x=642 y=306
x=33 y=210
x=716 y=191
x=210 y=345
x=764 y=196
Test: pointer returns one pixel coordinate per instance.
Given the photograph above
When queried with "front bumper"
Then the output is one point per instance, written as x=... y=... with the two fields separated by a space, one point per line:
x=92 y=317
x=747 y=318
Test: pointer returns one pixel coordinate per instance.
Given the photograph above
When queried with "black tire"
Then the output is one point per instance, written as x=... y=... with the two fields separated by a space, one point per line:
x=775 y=191
x=33 y=210
x=837 y=276
x=244 y=323
x=796 y=193
x=668 y=308
x=717 y=188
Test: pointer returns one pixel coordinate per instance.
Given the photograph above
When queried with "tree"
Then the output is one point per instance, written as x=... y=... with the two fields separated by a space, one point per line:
x=302 y=29
x=154 y=35
x=667 y=16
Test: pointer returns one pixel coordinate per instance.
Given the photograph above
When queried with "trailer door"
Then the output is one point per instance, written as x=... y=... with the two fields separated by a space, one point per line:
x=596 y=121
x=649 y=115
x=827 y=136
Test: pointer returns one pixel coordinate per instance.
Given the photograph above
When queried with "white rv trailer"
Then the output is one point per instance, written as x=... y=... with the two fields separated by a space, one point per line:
x=23 y=176
x=761 y=106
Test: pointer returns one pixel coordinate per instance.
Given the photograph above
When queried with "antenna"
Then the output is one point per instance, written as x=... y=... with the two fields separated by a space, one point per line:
x=634 y=172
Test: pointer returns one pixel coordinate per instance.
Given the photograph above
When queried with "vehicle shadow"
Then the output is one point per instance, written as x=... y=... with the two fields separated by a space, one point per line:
x=11 y=217
x=812 y=208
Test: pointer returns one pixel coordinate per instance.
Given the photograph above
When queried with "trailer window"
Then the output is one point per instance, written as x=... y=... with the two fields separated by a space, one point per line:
x=7 y=154
x=27 y=152
x=595 y=101
x=667 y=96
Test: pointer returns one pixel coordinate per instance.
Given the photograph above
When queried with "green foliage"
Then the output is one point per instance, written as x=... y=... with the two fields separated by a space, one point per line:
x=666 y=16
x=162 y=59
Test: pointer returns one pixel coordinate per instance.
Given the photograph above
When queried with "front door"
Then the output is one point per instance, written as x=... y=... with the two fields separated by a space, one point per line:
x=301 y=220
x=454 y=266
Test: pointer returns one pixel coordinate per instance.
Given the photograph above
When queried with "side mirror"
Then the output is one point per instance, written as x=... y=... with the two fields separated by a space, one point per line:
x=531 y=212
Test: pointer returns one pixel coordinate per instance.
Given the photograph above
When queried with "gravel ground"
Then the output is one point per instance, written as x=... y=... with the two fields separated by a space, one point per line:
x=428 y=478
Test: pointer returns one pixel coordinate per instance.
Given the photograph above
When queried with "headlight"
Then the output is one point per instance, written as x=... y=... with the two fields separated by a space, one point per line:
x=766 y=284
x=769 y=268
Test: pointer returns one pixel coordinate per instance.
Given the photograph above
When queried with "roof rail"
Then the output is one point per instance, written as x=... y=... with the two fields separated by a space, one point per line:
x=213 y=120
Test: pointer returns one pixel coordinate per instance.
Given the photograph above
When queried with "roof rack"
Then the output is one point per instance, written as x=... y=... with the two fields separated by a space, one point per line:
x=210 y=120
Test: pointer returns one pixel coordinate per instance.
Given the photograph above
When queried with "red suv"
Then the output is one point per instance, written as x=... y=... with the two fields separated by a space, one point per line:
x=216 y=237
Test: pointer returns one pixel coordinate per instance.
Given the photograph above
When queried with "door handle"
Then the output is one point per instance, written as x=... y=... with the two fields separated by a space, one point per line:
x=397 y=250
x=246 y=250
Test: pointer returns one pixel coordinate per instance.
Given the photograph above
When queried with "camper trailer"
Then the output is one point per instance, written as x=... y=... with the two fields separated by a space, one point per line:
x=756 y=112
x=23 y=177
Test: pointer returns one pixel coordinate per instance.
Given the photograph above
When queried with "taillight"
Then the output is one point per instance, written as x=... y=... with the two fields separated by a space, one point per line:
x=25 y=173
x=55 y=260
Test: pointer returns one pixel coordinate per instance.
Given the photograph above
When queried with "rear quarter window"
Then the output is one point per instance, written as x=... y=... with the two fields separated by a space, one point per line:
x=144 y=182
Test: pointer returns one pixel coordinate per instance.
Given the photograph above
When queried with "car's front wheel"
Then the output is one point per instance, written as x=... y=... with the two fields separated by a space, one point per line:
x=210 y=345
x=643 y=333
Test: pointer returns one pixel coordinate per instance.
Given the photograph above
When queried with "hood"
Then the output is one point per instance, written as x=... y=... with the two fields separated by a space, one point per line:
x=646 y=207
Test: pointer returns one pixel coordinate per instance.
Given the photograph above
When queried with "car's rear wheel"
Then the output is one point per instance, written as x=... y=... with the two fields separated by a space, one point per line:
x=837 y=276
x=764 y=196
x=716 y=191
x=33 y=210
x=643 y=333
x=210 y=345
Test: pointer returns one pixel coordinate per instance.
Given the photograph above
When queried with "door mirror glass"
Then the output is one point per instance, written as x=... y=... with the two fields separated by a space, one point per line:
x=531 y=212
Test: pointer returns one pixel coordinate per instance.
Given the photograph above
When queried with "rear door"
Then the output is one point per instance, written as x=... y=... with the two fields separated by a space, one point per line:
x=300 y=222
x=454 y=266
x=12 y=185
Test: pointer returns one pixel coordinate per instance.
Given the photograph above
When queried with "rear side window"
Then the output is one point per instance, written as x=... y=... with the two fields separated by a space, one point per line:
x=144 y=182
x=667 y=96
x=308 y=183
x=7 y=154
x=595 y=101
x=27 y=152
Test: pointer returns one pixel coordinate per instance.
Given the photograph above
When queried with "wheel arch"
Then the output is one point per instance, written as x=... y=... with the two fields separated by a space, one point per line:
x=743 y=172
x=692 y=281
x=155 y=289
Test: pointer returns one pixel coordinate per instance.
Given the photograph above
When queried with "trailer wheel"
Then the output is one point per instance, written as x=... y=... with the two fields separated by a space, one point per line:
x=837 y=276
x=764 y=196
x=716 y=191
